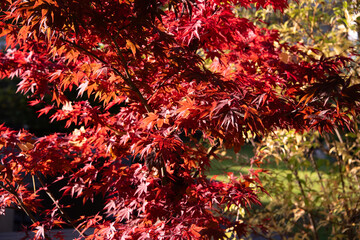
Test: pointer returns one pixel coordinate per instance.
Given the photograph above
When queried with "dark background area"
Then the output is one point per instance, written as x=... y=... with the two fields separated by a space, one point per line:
x=16 y=113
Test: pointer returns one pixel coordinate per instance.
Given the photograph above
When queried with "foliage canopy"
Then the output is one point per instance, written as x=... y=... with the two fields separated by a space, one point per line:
x=148 y=75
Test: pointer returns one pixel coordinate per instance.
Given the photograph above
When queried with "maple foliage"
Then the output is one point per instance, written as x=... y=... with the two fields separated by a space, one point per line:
x=145 y=74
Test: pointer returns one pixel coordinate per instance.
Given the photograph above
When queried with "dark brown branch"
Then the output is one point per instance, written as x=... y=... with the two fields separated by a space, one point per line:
x=211 y=150
x=129 y=78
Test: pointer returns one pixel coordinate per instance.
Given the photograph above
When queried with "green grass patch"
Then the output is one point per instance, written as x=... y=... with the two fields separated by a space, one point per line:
x=279 y=176
x=287 y=209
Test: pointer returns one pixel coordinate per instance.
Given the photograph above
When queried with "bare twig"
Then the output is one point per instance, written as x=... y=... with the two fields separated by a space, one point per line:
x=33 y=182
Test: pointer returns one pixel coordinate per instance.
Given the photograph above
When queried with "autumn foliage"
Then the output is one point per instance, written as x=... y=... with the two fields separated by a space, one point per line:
x=134 y=80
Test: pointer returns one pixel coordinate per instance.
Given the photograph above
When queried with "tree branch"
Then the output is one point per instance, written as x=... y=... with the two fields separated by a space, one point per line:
x=127 y=80
x=61 y=211
x=211 y=150
x=21 y=203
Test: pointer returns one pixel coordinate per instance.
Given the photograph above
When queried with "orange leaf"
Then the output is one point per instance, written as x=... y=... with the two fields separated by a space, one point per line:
x=132 y=46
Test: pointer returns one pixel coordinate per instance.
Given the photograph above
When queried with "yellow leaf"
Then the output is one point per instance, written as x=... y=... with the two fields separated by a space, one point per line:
x=298 y=213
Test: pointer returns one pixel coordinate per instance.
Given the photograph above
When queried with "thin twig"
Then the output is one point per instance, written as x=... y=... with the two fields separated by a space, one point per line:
x=21 y=203
x=306 y=200
x=33 y=182
x=211 y=150
x=61 y=211
x=340 y=164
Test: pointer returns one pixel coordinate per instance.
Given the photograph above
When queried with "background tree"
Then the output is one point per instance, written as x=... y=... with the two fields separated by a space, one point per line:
x=314 y=196
x=147 y=74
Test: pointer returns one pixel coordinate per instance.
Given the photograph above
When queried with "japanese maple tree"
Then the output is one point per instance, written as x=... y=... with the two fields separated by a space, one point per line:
x=136 y=80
